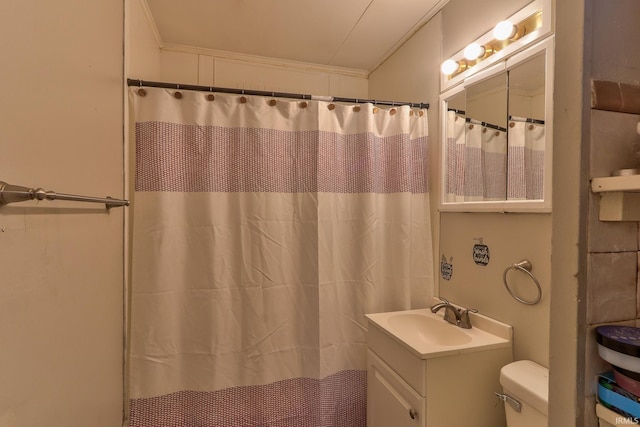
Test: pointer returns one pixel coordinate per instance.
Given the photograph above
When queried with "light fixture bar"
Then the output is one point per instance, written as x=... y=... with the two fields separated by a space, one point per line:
x=487 y=46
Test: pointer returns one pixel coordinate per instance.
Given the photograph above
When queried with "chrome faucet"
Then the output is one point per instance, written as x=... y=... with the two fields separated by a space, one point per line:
x=453 y=315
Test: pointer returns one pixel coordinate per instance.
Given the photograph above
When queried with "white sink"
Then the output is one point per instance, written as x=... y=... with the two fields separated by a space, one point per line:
x=428 y=335
x=430 y=329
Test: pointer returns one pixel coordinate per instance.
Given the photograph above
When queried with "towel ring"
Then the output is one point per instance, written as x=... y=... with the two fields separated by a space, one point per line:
x=524 y=266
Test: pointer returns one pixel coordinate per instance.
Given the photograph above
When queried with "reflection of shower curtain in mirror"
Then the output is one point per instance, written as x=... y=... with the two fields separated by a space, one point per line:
x=262 y=234
x=473 y=180
x=454 y=185
x=526 y=161
x=494 y=163
x=485 y=163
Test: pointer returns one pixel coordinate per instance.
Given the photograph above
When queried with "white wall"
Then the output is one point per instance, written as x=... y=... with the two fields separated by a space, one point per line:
x=61 y=263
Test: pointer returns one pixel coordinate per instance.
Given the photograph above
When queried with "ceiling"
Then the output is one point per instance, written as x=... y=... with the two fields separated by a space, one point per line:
x=355 y=34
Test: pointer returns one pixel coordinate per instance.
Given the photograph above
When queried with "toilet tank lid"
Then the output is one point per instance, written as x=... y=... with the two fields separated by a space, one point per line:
x=528 y=381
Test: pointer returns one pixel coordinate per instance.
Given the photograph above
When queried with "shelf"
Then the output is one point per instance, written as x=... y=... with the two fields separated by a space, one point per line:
x=619 y=197
x=629 y=183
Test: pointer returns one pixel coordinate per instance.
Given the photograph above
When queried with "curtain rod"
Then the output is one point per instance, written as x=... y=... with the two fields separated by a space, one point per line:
x=141 y=83
x=15 y=193
x=485 y=124
x=526 y=120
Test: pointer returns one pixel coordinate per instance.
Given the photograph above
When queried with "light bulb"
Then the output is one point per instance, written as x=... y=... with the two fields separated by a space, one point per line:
x=504 y=30
x=449 y=67
x=474 y=51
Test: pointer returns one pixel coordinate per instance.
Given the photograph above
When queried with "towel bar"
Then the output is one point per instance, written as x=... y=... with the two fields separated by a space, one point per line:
x=15 y=193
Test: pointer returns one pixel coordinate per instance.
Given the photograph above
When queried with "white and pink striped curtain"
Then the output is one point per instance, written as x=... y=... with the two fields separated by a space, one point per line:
x=526 y=160
x=455 y=167
x=485 y=163
x=263 y=231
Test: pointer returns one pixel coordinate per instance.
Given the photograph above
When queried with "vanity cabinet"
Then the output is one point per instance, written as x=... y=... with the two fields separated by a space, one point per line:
x=391 y=401
x=449 y=387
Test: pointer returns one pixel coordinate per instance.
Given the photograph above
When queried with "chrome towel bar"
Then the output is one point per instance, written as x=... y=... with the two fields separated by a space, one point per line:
x=525 y=267
x=16 y=193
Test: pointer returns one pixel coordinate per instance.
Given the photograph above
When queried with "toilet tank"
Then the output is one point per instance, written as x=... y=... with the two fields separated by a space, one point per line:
x=528 y=383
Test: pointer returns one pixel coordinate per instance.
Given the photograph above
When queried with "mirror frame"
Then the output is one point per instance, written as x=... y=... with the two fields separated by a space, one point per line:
x=545 y=47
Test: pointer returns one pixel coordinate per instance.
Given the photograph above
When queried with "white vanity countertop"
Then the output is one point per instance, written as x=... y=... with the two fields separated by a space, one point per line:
x=428 y=335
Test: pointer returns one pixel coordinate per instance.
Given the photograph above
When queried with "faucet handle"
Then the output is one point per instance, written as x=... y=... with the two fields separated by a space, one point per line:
x=444 y=300
x=465 y=321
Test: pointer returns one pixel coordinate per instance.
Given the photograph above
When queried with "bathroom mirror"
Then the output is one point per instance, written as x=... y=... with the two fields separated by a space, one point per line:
x=496 y=139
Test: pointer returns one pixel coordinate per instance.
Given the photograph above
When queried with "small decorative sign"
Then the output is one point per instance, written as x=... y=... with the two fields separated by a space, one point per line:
x=446 y=268
x=480 y=253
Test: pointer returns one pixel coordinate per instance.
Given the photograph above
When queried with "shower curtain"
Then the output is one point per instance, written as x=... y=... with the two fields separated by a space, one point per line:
x=526 y=160
x=494 y=163
x=485 y=160
x=264 y=229
x=455 y=136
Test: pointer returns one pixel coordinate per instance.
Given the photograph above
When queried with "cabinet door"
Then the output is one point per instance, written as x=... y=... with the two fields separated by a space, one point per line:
x=390 y=400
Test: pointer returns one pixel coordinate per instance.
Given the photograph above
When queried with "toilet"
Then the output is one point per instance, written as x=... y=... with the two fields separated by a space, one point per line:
x=525 y=392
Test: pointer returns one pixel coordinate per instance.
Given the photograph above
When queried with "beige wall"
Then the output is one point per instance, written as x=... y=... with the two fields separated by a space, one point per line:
x=413 y=72
x=142 y=50
x=559 y=331
x=410 y=76
x=61 y=263
x=207 y=68
x=510 y=239
x=549 y=332
x=150 y=59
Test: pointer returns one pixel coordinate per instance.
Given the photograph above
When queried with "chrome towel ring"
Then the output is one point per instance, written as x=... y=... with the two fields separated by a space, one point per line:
x=526 y=267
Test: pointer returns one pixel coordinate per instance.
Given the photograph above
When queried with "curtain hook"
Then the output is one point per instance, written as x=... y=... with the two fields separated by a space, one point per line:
x=177 y=94
x=141 y=91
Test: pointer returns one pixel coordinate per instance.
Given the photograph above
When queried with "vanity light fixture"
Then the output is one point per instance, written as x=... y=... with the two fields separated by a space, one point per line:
x=503 y=34
x=505 y=30
x=450 y=66
x=476 y=51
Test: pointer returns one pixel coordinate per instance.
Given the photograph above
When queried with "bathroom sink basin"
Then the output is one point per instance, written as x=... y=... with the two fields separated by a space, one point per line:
x=431 y=329
x=428 y=335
